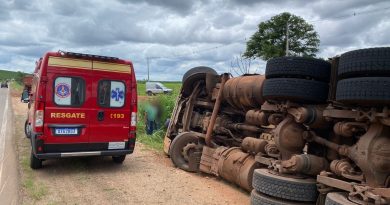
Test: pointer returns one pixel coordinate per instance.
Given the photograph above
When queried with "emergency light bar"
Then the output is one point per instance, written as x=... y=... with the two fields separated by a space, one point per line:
x=82 y=55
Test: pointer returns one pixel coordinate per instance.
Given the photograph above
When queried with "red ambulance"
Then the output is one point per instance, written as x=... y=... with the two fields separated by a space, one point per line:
x=81 y=105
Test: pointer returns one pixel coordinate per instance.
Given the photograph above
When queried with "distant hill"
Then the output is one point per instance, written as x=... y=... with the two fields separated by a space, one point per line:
x=6 y=74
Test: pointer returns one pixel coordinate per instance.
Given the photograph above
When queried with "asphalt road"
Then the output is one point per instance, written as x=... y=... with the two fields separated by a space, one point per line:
x=8 y=160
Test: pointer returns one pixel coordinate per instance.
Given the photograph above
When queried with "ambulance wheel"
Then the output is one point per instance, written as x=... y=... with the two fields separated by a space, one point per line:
x=181 y=147
x=27 y=129
x=35 y=163
x=119 y=159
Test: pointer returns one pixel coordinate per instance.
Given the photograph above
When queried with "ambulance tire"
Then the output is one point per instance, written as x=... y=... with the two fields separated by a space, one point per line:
x=118 y=159
x=27 y=129
x=35 y=163
x=258 y=198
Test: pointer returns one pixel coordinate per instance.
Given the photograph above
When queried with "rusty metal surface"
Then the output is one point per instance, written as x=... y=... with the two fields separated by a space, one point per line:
x=217 y=105
x=231 y=164
x=244 y=92
x=304 y=163
x=253 y=145
x=256 y=117
x=288 y=138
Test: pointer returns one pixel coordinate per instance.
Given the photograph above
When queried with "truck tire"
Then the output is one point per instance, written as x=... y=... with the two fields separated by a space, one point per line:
x=298 y=67
x=338 y=198
x=176 y=150
x=35 y=163
x=262 y=199
x=364 y=91
x=27 y=129
x=301 y=90
x=283 y=187
x=193 y=75
x=365 y=62
x=118 y=159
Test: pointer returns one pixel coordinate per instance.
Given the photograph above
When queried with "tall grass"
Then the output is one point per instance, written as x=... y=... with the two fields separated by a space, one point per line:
x=167 y=103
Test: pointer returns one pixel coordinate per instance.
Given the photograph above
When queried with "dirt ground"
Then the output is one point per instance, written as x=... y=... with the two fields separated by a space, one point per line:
x=146 y=177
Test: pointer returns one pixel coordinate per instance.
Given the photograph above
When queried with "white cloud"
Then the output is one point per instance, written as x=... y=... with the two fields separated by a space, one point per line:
x=175 y=30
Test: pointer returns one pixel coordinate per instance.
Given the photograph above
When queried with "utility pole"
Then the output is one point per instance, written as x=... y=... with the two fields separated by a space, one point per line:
x=287 y=49
x=147 y=62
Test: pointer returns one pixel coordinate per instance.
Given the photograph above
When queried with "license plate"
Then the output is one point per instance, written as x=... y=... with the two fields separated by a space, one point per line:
x=116 y=145
x=66 y=131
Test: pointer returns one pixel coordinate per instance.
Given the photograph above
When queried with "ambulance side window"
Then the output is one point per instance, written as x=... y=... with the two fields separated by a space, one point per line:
x=69 y=91
x=111 y=93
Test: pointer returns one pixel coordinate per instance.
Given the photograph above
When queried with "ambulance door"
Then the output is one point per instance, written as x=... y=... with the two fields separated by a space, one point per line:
x=66 y=113
x=111 y=119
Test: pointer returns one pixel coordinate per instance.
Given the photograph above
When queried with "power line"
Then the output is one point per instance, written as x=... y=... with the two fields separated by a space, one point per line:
x=313 y=21
x=351 y=15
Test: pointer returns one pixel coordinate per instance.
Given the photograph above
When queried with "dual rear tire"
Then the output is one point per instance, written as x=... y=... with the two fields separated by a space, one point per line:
x=364 y=77
x=270 y=188
x=296 y=79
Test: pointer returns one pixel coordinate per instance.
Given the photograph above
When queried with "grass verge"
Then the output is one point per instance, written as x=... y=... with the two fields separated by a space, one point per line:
x=32 y=191
x=166 y=105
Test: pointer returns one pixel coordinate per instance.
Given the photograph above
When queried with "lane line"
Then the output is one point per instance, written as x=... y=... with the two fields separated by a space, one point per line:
x=2 y=135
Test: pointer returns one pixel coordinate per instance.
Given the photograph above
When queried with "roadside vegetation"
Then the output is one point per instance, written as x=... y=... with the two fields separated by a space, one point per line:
x=32 y=189
x=167 y=102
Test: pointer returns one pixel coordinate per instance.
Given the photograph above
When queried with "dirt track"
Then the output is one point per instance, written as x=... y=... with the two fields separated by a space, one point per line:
x=146 y=177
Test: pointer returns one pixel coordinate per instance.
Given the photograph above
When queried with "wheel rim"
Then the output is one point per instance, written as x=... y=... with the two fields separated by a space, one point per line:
x=183 y=146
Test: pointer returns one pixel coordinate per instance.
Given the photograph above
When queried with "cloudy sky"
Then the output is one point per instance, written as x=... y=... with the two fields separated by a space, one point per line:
x=176 y=34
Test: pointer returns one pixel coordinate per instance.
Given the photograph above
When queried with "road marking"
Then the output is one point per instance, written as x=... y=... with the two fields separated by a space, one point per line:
x=2 y=136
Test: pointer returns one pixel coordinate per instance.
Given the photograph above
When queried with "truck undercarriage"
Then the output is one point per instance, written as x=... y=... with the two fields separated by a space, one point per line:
x=308 y=131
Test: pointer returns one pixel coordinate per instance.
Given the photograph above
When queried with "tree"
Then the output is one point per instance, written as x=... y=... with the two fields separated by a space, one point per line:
x=240 y=65
x=271 y=38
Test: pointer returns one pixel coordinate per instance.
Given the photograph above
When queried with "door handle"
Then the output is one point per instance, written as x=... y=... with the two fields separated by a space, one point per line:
x=100 y=115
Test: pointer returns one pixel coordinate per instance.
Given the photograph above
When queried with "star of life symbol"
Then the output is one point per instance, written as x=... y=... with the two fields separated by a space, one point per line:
x=117 y=94
x=62 y=90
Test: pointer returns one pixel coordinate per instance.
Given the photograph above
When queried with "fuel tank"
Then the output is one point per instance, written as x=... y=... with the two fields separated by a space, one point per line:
x=244 y=92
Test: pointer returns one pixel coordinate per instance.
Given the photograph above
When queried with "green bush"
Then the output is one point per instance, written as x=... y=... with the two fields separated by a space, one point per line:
x=167 y=103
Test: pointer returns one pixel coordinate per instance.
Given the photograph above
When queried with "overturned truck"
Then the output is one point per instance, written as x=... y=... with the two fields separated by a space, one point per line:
x=308 y=131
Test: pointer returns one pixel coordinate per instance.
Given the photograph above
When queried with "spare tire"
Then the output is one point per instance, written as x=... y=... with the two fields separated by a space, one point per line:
x=193 y=75
x=365 y=62
x=300 y=90
x=284 y=187
x=298 y=67
x=364 y=91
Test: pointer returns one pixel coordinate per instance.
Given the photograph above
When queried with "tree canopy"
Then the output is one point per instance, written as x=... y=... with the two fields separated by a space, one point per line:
x=270 y=39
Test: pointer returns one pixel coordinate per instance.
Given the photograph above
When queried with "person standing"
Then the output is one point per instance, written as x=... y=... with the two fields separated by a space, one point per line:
x=150 y=118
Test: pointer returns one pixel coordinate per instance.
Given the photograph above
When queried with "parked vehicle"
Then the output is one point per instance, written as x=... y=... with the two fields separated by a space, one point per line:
x=4 y=84
x=81 y=105
x=153 y=88
x=308 y=131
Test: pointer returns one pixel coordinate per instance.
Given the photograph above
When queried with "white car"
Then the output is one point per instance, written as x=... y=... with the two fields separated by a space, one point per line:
x=153 y=88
